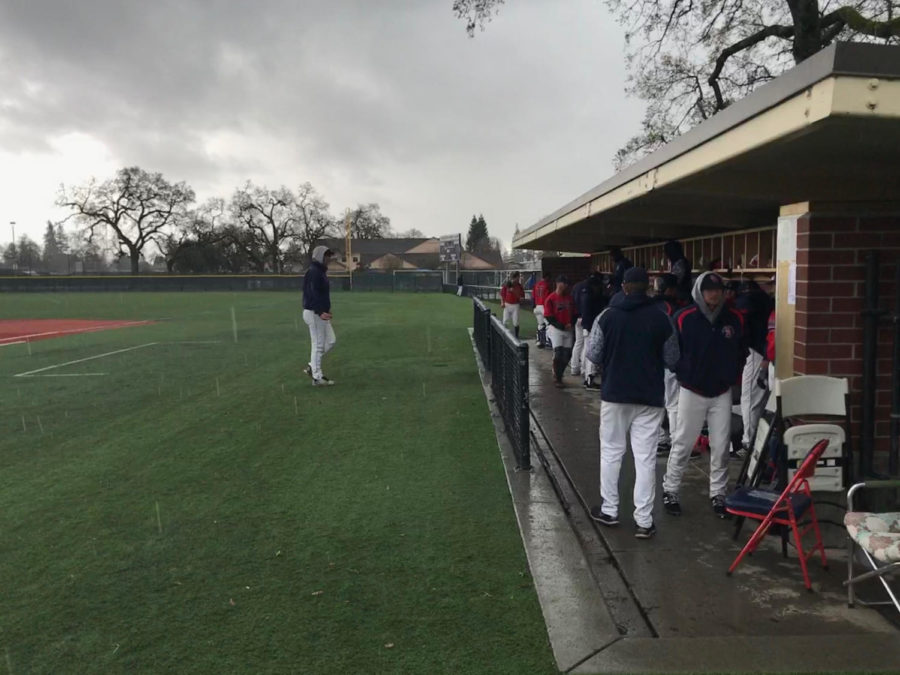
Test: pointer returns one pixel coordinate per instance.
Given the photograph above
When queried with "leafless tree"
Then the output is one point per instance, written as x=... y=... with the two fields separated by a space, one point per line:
x=367 y=222
x=137 y=206
x=271 y=217
x=689 y=59
x=313 y=219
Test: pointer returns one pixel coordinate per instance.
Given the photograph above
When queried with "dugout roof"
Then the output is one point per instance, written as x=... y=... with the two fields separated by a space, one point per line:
x=827 y=130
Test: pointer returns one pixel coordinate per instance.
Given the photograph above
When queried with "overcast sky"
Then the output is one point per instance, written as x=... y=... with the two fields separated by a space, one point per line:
x=385 y=101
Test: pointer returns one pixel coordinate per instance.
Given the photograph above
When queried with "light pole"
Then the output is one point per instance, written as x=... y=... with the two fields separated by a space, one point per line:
x=12 y=224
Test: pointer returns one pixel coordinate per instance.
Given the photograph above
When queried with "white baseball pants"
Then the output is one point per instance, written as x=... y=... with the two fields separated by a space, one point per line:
x=753 y=397
x=577 y=349
x=693 y=410
x=539 y=315
x=588 y=367
x=561 y=338
x=322 y=339
x=618 y=421
x=511 y=314
x=671 y=407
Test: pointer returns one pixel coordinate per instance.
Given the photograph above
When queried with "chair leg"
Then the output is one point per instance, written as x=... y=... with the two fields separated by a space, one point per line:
x=819 y=543
x=800 y=552
x=850 y=553
x=752 y=543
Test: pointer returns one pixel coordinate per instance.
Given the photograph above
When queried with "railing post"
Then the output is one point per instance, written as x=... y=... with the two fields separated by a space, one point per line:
x=524 y=411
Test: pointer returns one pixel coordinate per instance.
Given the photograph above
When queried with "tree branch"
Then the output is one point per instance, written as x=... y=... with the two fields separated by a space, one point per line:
x=784 y=32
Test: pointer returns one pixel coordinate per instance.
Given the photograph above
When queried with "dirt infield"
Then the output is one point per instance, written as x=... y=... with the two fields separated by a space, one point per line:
x=17 y=331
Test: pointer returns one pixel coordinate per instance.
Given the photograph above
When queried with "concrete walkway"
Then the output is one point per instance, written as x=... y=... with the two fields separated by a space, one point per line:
x=614 y=603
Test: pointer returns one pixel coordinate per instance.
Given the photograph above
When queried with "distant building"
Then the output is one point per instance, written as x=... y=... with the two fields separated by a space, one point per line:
x=398 y=254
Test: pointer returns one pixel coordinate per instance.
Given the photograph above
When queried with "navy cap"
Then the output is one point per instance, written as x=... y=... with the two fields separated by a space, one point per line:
x=710 y=281
x=562 y=279
x=636 y=275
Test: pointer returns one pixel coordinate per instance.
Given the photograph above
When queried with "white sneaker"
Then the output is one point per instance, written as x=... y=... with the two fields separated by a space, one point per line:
x=322 y=382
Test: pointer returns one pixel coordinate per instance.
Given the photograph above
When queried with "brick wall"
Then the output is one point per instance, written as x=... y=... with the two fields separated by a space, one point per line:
x=828 y=340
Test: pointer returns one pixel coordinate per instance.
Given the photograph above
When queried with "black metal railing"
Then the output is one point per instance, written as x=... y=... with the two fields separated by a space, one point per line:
x=506 y=359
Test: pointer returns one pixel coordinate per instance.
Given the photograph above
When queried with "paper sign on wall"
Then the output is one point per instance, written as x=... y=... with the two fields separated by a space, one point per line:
x=792 y=284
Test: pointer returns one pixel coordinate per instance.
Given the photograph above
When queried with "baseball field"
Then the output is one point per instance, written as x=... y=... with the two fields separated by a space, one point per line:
x=176 y=496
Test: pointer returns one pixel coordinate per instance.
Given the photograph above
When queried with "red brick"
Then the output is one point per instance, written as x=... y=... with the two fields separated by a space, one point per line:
x=814 y=241
x=814 y=273
x=847 y=305
x=827 y=351
x=848 y=273
x=845 y=335
x=844 y=367
x=804 y=366
x=833 y=224
x=878 y=223
x=812 y=335
x=805 y=304
x=831 y=256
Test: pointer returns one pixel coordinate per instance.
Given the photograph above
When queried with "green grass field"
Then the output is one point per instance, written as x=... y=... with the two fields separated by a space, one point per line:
x=201 y=508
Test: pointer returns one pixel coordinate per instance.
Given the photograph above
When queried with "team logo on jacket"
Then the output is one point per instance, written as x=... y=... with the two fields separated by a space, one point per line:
x=728 y=332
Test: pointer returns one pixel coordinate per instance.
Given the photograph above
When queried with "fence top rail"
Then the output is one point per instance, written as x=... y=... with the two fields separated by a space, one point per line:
x=479 y=304
x=505 y=332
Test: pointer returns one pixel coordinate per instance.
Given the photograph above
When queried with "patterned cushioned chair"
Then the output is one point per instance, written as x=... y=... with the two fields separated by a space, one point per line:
x=876 y=536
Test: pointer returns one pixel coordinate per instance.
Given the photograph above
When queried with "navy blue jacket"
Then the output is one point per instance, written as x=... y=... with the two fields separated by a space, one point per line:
x=632 y=341
x=591 y=301
x=622 y=265
x=316 y=289
x=712 y=354
x=756 y=305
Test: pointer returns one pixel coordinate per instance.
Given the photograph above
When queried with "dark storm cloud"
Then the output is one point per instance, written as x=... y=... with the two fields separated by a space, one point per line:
x=388 y=97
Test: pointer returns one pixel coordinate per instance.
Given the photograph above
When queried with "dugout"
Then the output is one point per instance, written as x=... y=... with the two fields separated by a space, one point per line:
x=799 y=179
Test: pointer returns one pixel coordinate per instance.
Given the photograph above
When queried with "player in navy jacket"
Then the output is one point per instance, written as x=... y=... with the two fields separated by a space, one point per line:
x=317 y=313
x=631 y=341
x=713 y=352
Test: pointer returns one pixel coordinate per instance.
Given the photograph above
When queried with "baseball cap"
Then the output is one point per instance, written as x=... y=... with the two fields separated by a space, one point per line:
x=562 y=279
x=710 y=281
x=636 y=275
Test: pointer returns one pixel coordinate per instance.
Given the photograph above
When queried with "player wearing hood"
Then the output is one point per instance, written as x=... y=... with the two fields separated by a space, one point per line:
x=317 y=313
x=622 y=264
x=680 y=266
x=713 y=352
x=667 y=300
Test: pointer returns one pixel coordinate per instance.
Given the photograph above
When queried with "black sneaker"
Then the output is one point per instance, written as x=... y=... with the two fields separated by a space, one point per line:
x=663 y=449
x=600 y=517
x=645 y=532
x=589 y=383
x=671 y=504
x=718 y=506
x=740 y=453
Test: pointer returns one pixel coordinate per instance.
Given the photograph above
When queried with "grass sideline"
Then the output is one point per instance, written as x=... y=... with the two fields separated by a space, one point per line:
x=202 y=508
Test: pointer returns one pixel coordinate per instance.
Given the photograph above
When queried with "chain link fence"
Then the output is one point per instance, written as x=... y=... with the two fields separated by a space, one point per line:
x=506 y=359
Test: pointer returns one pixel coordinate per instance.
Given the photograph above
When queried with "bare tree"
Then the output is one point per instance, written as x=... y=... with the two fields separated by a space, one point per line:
x=136 y=206
x=367 y=222
x=689 y=59
x=270 y=216
x=313 y=219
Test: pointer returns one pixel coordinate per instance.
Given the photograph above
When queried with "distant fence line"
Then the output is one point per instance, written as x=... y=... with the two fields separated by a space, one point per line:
x=417 y=282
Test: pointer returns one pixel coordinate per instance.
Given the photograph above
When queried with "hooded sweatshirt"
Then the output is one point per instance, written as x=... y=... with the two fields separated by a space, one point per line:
x=711 y=344
x=680 y=267
x=632 y=341
x=316 y=288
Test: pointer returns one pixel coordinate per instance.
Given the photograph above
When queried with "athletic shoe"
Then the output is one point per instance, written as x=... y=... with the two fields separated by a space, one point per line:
x=671 y=504
x=663 y=449
x=718 y=506
x=308 y=371
x=323 y=382
x=645 y=532
x=590 y=384
x=740 y=453
x=598 y=516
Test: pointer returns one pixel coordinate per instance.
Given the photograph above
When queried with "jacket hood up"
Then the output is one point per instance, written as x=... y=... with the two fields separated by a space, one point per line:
x=318 y=254
x=697 y=295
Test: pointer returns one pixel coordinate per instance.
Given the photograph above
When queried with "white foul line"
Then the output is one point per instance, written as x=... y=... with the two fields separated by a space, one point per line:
x=7 y=344
x=89 y=358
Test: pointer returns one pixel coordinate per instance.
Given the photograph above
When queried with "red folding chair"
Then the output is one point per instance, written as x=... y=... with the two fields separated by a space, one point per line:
x=785 y=509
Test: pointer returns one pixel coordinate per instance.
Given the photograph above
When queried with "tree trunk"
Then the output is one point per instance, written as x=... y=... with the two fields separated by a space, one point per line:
x=135 y=256
x=807 y=28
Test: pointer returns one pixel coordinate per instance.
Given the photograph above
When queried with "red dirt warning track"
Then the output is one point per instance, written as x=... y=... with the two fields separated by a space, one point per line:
x=15 y=331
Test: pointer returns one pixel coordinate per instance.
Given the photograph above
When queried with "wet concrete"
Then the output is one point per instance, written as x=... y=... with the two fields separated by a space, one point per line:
x=668 y=599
